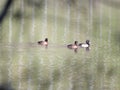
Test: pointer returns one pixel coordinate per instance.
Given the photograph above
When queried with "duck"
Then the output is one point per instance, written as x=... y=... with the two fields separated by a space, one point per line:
x=73 y=46
x=85 y=45
x=43 y=43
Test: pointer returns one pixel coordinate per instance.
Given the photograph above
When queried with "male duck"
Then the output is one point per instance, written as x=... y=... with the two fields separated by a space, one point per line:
x=85 y=45
x=43 y=43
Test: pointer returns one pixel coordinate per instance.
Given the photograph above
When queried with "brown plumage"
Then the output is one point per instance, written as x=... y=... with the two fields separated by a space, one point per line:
x=73 y=46
x=43 y=43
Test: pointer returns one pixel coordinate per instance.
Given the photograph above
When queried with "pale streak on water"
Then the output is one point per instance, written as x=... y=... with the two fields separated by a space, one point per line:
x=20 y=71
x=67 y=24
x=78 y=34
x=113 y=79
x=76 y=29
x=30 y=57
x=90 y=18
x=39 y=73
x=20 y=41
x=110 y=27
x=102 y=80
x=44 y=24
x=9 y=66
x=54 y=32
x=71 y=73
x=90 y=35
x=44 y=35
x=101 y=17
x=51 y=69
x=22 y=22
x=78 y=22
x=33 y=23
x=55 y=19
x=61 y=73
x=39 y=78
x=10 y=50
x=97 y=51
x=65 y=34
x=10 y=26
x=67 y=29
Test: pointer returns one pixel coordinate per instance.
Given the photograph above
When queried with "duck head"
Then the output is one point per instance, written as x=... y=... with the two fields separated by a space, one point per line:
x=46 y=39
x=88 y=42
x=76 y=42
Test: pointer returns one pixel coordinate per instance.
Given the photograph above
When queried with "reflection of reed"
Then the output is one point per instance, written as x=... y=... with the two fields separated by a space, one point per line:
x=5 y=9
x=32 y=33
x=10 y=25
x=44 y=19
x=20 y=72
x=51 y=69
x=22 y=22
x=30 y=70
x=9 y=65
x=56 y=6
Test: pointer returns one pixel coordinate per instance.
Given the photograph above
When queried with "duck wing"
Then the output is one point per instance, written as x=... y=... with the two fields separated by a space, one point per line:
x=80 y=44
x=40 y=42
x=70 y=46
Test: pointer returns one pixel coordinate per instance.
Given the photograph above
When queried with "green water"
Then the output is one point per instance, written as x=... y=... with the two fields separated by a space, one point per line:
x=28 y=66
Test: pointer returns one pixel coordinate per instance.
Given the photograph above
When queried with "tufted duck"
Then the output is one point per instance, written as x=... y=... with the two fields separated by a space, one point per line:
x=73 y=46
x=85 y=45
x=43 y=43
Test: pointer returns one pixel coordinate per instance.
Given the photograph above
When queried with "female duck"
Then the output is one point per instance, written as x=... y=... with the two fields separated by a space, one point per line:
x=85 y=45
x=73 y=46
x=43 y=43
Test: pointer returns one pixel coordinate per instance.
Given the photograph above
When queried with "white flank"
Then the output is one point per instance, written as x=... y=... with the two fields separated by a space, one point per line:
x=84 y=45
x=74 y=46
x=45 y=43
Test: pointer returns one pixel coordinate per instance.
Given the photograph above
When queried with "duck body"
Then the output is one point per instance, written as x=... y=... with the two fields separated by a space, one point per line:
x=43 y=43
x=85 y=45
x=73 y=46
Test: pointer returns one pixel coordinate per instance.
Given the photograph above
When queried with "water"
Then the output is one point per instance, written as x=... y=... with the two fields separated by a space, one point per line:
x=101 y=20
x=67 y=24
x=78 y=23
x=40 y=68
x=10 y=26
x=44 y=26
x=33 y=23
x=55 y=21
x=90 y=18
x=29 y=66
x=110 y=27
x=22 y=22
x=10 y=51
x=20 y=71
